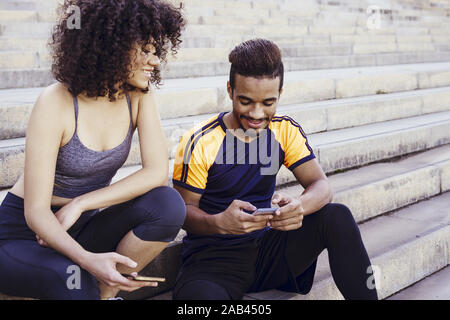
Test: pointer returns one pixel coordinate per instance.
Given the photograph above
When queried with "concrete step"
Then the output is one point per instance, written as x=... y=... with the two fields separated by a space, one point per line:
x=178 y=69
x=17 y=59
x=16 y=106
x=335 y=149
x=208 y=94
x=29 y=5
x=24 y=59
x=433 y=287
x=18 y=16
x=405 y=246
x=41 y=29
x=220 y=54
x=41 y=76
x=17 y=5
x=426 y=126
x=25 y=78
x=34 y=44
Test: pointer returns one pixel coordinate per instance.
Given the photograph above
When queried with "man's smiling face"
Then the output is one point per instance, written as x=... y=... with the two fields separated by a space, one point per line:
x=254 y=101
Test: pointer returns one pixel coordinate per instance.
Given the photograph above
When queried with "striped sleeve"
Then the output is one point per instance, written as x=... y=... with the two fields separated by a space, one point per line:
x=191 y=160
x=295 y=144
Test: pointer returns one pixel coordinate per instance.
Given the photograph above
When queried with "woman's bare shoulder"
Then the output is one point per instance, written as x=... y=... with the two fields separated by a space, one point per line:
x=54 y=100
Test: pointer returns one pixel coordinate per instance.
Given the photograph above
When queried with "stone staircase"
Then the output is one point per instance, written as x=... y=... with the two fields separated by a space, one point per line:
x=375 y=104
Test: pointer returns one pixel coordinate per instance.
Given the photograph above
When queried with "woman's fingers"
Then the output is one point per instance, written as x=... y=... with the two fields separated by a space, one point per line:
x=118 y=258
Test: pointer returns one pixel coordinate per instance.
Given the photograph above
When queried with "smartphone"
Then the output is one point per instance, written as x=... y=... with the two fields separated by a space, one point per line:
x=264 y=211
x=142 y=278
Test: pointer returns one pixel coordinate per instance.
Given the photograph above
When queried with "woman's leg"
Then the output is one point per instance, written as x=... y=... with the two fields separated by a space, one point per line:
x=29 y=270
x=139 y=229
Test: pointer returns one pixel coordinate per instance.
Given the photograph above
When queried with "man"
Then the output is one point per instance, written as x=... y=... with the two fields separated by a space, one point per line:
x=226 y=168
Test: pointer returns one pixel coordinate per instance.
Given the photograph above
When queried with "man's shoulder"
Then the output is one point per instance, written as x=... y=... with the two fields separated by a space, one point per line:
x=282 y=125
x=202 y=128
x=283 y=121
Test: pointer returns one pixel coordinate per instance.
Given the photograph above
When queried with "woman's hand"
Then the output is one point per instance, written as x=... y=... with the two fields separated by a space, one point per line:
x=66 y=216
x=69 y=214
x=103 y=267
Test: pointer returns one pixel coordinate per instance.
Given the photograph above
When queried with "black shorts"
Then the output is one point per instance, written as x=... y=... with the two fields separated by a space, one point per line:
x=283 y=260
x=253 y=266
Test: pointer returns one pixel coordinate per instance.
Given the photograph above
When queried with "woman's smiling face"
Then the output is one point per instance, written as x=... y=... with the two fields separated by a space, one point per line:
x=144 y=62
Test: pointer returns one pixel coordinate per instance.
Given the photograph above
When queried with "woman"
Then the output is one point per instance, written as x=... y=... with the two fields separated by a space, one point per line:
x=78 y=136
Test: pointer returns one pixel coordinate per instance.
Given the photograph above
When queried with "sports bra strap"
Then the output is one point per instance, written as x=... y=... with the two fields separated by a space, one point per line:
x=75 y=104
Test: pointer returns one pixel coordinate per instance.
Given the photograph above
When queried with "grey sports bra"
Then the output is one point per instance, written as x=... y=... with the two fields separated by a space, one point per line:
x=81 y=170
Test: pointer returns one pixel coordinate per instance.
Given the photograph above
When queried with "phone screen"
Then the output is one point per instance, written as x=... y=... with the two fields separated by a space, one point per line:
x=265 y=211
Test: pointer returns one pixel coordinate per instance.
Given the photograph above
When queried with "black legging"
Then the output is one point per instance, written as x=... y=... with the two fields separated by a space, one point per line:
x=278 y=260
x=30 y=270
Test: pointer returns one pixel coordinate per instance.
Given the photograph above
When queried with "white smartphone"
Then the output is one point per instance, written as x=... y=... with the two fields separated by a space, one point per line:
x=264 y=211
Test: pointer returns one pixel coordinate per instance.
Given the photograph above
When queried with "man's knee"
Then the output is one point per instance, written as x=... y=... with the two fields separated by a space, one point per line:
x=339 y=222
x=200 y=290
x=338 y=214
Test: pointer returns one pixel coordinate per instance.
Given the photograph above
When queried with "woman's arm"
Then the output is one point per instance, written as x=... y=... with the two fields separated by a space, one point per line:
x=44 y=133
x=154 y=156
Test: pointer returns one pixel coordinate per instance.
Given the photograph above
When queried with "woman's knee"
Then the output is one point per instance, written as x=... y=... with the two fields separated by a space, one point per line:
x=165 y=212
x=166 y=204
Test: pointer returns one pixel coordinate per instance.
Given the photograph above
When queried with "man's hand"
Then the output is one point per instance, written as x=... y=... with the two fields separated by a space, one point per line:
x=235 y=221
x=290 y=214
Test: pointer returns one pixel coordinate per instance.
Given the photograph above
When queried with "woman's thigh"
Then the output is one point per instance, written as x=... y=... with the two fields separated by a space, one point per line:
x=30 y=270
x=156 y=215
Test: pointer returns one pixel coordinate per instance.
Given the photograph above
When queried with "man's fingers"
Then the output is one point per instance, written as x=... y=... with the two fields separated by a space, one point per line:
x=276 y=198
x=280 y=199
x=243 y=205
x=287 y=224
x=290 y=207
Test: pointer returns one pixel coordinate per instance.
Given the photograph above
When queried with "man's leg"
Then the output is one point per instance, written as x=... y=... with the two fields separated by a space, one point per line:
x=201 y=290
x=332 y=228
x=218 y=271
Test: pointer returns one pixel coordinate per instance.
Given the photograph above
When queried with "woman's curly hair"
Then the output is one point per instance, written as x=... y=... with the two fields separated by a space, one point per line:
x=96 y=57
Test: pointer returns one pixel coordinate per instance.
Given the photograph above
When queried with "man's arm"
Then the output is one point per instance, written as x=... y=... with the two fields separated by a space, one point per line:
x=231 y=221
x=317 y=191
x=317 y=194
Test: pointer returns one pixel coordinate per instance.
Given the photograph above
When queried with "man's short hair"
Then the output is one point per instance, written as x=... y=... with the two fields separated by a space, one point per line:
x=258 y=58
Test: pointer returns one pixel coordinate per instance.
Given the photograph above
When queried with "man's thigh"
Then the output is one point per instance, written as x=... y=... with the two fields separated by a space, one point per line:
x=287 y=259
x=229 y=267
